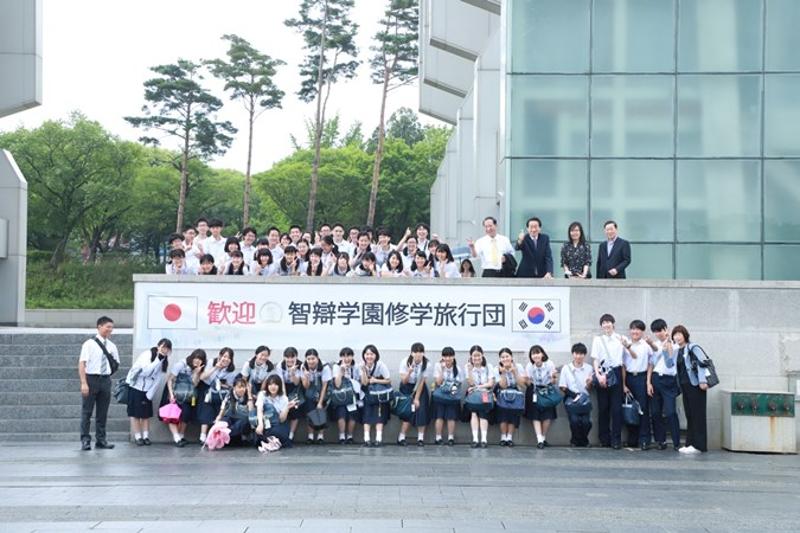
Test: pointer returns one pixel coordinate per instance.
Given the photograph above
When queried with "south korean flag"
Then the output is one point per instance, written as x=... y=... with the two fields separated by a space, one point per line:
x=536 y=316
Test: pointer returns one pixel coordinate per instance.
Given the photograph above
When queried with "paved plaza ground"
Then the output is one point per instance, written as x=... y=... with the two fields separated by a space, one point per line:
x=55 y=487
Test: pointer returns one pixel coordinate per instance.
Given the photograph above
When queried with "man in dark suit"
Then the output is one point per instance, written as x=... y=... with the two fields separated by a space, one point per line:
x=613 y=255
x=537 y=258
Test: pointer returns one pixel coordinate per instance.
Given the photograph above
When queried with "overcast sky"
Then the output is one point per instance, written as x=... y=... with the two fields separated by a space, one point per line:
x=97 y=54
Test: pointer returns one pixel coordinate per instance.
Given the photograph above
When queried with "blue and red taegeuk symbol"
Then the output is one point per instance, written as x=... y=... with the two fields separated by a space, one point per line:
x=536 y=315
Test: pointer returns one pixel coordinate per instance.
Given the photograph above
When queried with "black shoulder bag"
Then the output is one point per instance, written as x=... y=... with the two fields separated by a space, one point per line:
x=113 y=364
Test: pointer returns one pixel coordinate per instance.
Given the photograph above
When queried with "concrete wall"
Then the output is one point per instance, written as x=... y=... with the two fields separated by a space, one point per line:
x=749 y=328
x=76 y=318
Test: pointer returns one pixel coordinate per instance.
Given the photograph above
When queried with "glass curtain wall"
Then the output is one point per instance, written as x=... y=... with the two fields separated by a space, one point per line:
x=679 y=119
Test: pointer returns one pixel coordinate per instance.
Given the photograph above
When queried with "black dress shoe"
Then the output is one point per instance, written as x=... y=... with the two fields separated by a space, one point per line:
x=184 y=441
x=540 y=445
x=138 y=442
x=451 y=442
x=103 y=446
x=350 y=440
x=474 y=444
x=484 y=444
x=367 y=444
x=342 y=441
x=644 y=447
x=401 y=442
x=510 y=443
x=616 y=446
x=420 y=443
x=662 y=445
x=86 y=446
x=502 y=443
x=546 y=444
x=146 y=441
x=377 y=444
x=438 y=442
x=180 y=444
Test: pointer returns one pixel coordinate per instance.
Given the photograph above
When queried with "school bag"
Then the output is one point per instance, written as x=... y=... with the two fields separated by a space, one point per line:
x=400 y=406
x=706 y=365
x=344 y=395
x=480 y=401
x=112 y=363
x=378 y=393
x=449 y=393
x=270 y=413
x=121 y=390
x=511 y=399
x=546 y=397
x=577 y=403
x=631 y=411
x=183 y=389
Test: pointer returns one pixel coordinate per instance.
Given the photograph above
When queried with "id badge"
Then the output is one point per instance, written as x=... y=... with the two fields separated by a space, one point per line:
x=267 y=423
x=535 y=397
x=351 y=407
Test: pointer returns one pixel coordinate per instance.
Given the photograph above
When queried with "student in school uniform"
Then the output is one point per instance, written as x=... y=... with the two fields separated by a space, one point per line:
x=214 y=245
x=347 y=416
x=540 y=372
x=480 y=375
x=510 y=375
x=415 y=371
x=363 y=247
x=636 y=359
x=662 y=386
x=466 y=269
x=237 y=265
x=191 y=247
x=177 y=265
x=341 y=267
x=247 y=245
x=694 y=389
x=274 y=244
x=607 y=352
x=232 y=244
x=315 y=267
x=182 y=381
x=575 y=380
x=289 y=264
x=373 y=371
x=235 y=410
x=365 y=268
x=272 y=410
x=446 y=374
x=329 y=252
x=256 y=371
x=264 y=265
x=143 y=379
x=315 y=377
x=446 y=266
x=393 y=267
x=207 y=266
x=94 y=370
x=410 y=251
x=303 y=249
x=384 y=247
x=291 y=372
x=215 y=383
x=421 y=266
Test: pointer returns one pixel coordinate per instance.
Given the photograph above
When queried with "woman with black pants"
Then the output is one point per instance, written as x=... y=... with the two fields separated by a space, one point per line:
x=692 y=379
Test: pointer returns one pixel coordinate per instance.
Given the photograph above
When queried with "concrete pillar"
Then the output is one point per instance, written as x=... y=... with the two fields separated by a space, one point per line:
x=20 y=55
x=466 y=172
x=13 y=240
x=486 y=134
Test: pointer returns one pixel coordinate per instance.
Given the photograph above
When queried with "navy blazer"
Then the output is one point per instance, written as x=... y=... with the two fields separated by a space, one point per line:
x=620 y=258
x=536 y=261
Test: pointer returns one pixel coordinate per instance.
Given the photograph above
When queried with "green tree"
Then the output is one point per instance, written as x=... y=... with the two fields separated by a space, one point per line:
x=394 y=63
x=179 y=107
x=329 y=36
x=78 y=176
x=248 y=74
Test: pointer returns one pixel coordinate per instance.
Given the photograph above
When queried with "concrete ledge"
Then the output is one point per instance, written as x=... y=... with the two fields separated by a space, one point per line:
x=76 y=318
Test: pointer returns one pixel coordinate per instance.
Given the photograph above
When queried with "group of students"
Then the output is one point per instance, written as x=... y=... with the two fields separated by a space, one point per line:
x=366 y=252
x=263 y=400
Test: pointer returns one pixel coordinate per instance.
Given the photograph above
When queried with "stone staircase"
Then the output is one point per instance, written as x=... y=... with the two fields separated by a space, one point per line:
x=40 y=391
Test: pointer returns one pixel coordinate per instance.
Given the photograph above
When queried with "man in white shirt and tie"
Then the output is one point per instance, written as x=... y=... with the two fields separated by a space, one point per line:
x=490 y=249
x=94 y=369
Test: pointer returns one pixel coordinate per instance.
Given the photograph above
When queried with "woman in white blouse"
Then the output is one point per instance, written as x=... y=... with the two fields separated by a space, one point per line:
x=541 y=372
x=143 y=379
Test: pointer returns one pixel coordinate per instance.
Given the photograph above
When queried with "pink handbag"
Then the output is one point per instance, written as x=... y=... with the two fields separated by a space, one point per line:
x=170 y=413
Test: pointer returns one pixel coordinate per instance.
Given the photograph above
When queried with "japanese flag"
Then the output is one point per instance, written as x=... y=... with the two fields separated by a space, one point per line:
x=171 y=312
x=536 y=316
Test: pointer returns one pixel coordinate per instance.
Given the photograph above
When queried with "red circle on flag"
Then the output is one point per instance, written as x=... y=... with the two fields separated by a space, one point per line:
x=172 y=312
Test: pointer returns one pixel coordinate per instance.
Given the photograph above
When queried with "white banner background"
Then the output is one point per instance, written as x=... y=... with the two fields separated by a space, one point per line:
x=243 y=316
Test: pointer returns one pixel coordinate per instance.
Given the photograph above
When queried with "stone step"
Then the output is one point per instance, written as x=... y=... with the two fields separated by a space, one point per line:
x=72 y=411
x=53 y=349
x=72 y=397
x=47 y=360
x=117 y=437
x=48 y=372
x=41 y=385
x=58 y=338
x=56 y=425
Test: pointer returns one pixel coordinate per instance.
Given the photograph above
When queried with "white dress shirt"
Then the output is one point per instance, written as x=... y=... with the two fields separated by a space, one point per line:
x=94 y=357
x=483 y=249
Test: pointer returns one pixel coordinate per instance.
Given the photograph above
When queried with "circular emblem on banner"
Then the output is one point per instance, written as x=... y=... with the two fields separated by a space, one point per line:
x=536 y=315
x=270 y=312
x=172 y=312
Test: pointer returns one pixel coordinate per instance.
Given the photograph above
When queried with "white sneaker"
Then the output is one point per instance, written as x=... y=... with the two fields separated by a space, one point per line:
x=690 y=450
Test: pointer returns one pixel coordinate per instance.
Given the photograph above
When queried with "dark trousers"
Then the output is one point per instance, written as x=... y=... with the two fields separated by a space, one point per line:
x=694 y=405
x=663 y=409
x=490 y=274
x=579 y=426
x=638 y=386
x=609 y=410
x=99 y=396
